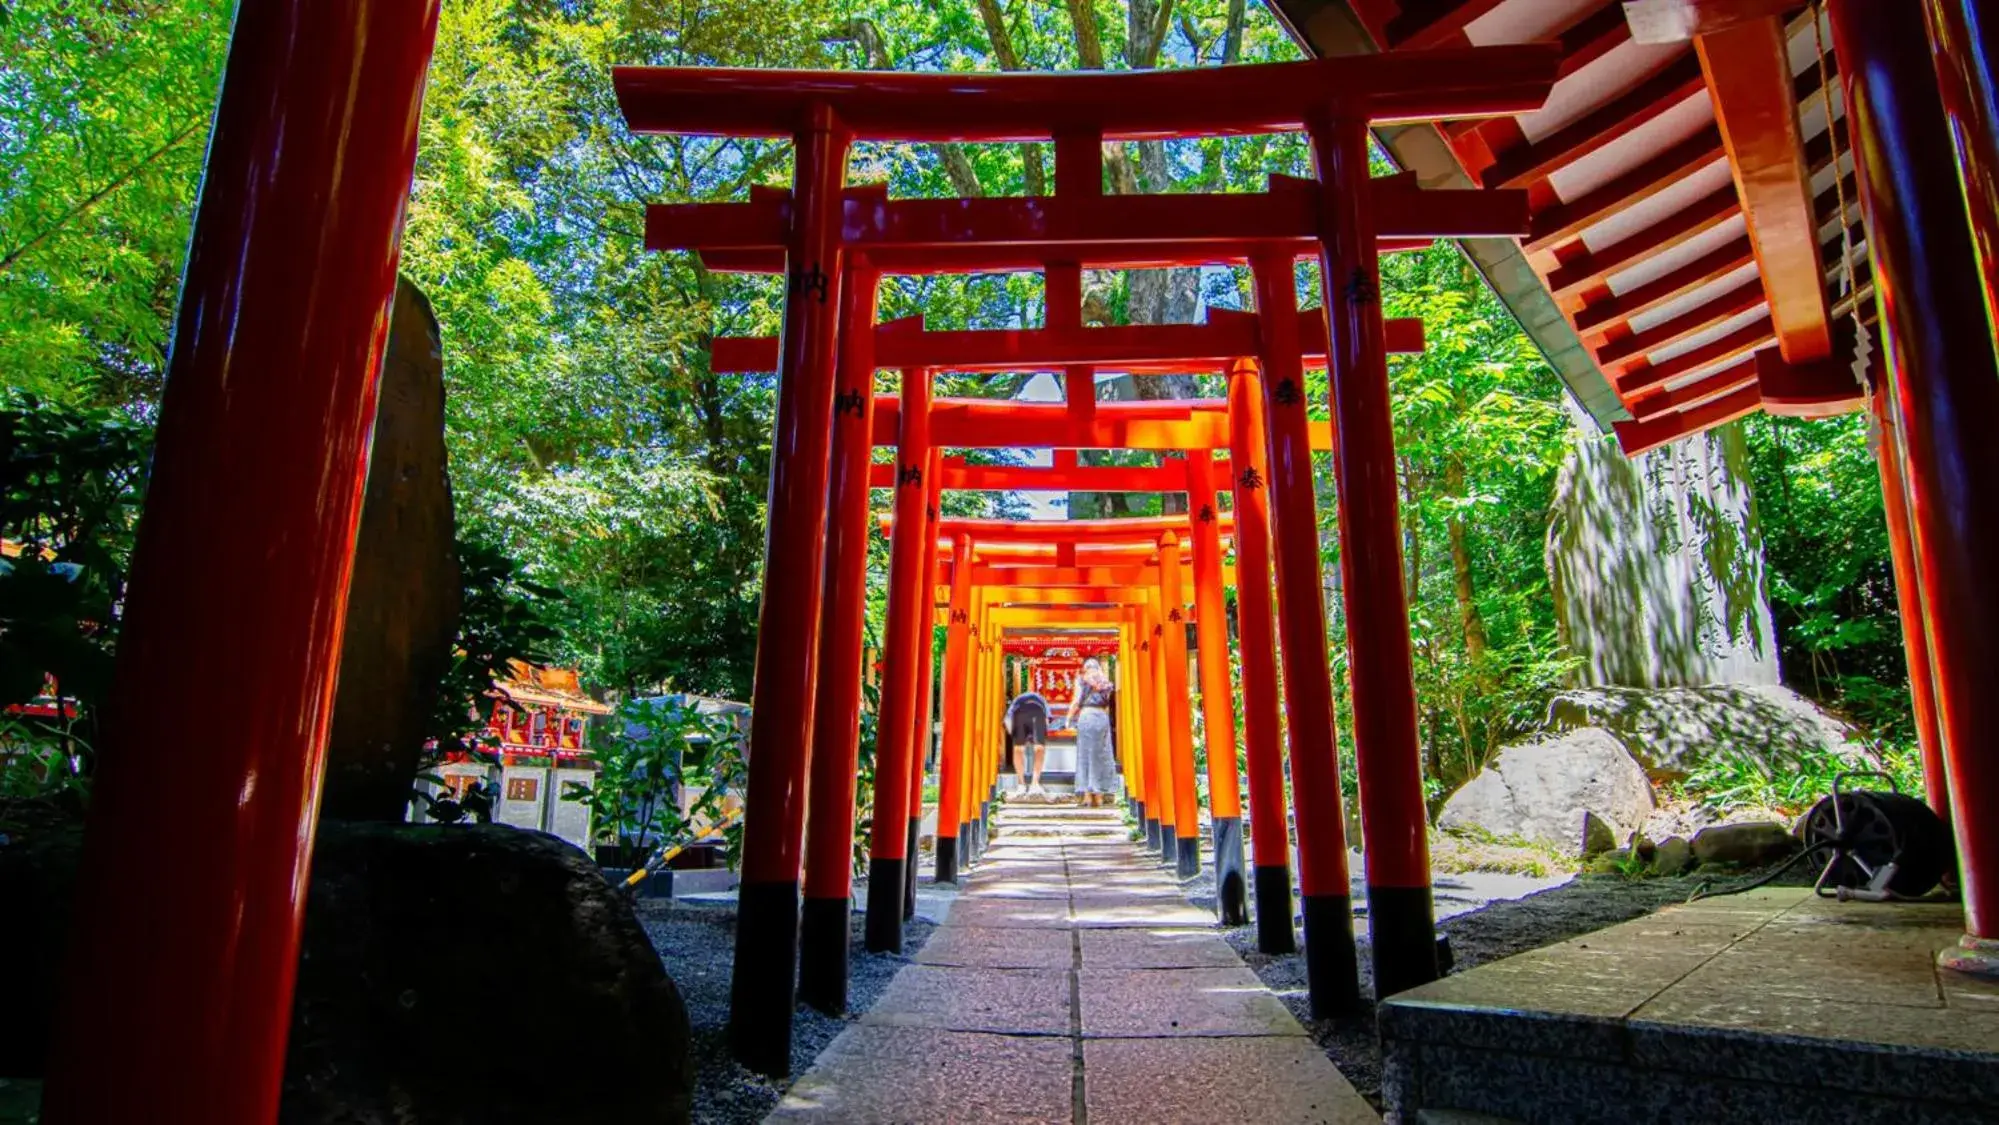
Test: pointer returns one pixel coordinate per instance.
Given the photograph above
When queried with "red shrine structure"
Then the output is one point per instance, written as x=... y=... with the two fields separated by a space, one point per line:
x=1646 y=183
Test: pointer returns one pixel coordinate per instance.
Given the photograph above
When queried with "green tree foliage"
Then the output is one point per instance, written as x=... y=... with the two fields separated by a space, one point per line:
x=104 y=116
x=589 y=439
x=71 y=479
x=1480 y=431
x=1832 y=585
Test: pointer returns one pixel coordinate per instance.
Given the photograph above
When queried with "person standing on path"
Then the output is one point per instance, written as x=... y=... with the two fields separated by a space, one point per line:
x=1027 y=721
x=1090 y=716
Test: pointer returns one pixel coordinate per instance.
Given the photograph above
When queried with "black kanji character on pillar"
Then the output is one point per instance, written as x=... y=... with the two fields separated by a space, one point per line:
x=1145 y=646
x=1286 y=393
x=1250 y=478
x=810 y=280
x=1159 y=630
x=932 y=513
x=959 y=616
x=911 y=474
x=1360 y=288
x=1175 y=615
x=849 y=402
x=1207 y=513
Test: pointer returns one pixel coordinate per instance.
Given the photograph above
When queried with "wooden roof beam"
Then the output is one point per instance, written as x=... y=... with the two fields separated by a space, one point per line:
x=1434 y=23
x=1739 y=342
x=1676 y=21
x=1675 y=329
x=1643 y=437
x=1599 y=316
x=1572 y=277
x=1567 y=220
x=1525 y=164
x=1749 y=74
x=1663 y=402
x=1583 y=42
x=1818 y=388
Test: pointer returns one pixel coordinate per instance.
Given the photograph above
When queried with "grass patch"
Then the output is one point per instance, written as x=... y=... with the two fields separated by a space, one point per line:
x=1465 y=850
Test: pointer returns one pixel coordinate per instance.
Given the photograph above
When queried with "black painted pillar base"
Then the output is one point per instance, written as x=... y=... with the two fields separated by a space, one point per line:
x=947 y=859
x=883 y=933
x=1332 y=967
x=1152 y=834
x=1274 y=934
x=1137 y=811
x=1231 y=883
x=761 y=987
x=909 y=869
x=1187 y=856
x=1169 y=844
x=1402 y=936
x=824 y=933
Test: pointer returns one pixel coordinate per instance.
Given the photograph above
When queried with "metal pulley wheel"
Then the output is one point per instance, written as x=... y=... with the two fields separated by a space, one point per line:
x=1878 y=845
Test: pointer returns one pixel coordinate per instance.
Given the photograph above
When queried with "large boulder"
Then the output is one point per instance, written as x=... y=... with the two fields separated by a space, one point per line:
x=430 y=952
x=433 y=952
x=1542 y=790
x=403 y=602
x=1673 y=731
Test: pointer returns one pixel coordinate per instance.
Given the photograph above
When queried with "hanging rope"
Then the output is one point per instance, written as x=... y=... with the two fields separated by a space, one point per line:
x=1863 y=344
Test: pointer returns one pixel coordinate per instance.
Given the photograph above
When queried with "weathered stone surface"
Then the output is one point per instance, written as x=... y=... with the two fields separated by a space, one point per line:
x=1266 y=1079
x=1673 y=856
x=1673 y=730
x=1598 y=836
x=422 y=946
x=402 y=607
x=875 y=1073
x=1540 y=790
x=1656 y=563
x=1747 y=844
x=427 y=948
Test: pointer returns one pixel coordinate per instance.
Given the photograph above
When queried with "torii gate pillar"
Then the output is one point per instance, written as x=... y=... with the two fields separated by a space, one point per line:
x=240 y=574
x=1255 y=624
x=1388 y=755
x=1332 y=965
x=826 y=923
x=1947 y=392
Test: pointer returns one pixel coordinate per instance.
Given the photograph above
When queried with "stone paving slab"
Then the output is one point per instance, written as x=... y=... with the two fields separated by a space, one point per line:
x=1010 y=1001
x=1139 y=910
x=1130 y=1003
x=918 y=1076
x=1275 y=1080
x=999 y=948
x=1771 y=1005
x=1155 y=948
x=1008 y=912
x=1161 y=1023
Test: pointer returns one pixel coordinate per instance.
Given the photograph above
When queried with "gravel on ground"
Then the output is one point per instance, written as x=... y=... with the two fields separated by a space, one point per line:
x=696 y=941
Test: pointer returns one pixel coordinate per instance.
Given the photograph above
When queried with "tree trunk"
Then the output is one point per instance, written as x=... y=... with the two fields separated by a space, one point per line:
x=1412 y=533
x=1467 y=592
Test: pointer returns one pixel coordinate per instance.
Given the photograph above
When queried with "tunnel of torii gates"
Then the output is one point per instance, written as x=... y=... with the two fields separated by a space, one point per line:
x=835 y=243
x=246 y=546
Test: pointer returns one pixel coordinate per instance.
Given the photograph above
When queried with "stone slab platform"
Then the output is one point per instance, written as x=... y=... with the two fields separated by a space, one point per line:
x=1773 y=1005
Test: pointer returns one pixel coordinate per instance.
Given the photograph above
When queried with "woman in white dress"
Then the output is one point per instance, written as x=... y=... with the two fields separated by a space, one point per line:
x=1090 y=716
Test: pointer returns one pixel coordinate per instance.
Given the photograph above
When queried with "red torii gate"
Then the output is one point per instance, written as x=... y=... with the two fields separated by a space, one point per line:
x=1333 y=104
x=246 y=544
x=966 y=535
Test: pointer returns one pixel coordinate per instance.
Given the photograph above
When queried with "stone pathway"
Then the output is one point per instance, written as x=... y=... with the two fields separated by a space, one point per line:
x=1071 y=982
